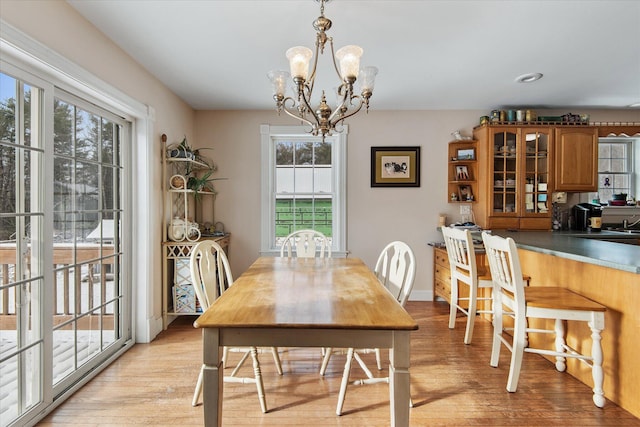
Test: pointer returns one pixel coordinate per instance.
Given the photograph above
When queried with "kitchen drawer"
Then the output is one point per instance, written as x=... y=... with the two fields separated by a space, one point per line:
x=442 y=290
x=442 y=273
x=441 y=257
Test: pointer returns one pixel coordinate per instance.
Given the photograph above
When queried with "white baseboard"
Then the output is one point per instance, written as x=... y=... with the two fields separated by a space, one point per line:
x=149 y=330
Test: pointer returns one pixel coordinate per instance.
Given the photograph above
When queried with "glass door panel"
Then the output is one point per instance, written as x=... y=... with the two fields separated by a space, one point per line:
x=536 y=172
x=505 y=179
x=87 y=248
x=21 y=248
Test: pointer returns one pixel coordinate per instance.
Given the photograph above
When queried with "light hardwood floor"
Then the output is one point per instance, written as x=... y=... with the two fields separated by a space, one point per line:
x=451 y=385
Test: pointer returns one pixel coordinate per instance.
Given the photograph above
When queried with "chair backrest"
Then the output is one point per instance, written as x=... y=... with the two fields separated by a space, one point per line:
x=506 y=272
x=210 y=272
x=396 y=270
x=306 y=244
x=462 y=255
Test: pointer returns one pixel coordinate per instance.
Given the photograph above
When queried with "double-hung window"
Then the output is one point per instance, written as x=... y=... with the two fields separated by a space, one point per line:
x=615 y=167
x=303 y=185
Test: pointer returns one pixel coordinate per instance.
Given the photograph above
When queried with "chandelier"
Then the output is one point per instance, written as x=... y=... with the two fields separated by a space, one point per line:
x=346 y=62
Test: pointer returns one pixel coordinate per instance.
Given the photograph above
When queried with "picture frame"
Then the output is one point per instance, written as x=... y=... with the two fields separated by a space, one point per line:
x=395 y=166
x=465 y=193
x=462 y=173
x=466 y=154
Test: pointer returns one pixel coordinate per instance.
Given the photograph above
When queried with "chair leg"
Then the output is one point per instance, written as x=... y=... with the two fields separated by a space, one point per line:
x=225 y=357
x=497 y=331
x=453 y=306
x=378 y=359
x=240 y=363
x=596 y=365
x=517 y=353
x=473 y=301
x=363 y=366
x=276 y=360
x=198 y=390
x=561 y=365
x=325 y=360
x=345 y=381
x=258 y=377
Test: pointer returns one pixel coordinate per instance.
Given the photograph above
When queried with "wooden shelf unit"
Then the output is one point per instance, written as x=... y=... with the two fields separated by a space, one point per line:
x=469 y=166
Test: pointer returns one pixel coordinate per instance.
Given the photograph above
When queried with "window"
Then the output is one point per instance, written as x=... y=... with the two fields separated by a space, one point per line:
x=303 y=185
x=615 y=168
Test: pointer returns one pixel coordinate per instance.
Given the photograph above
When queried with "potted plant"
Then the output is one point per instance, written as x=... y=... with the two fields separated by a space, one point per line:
x=201 y=183
x=181 y=150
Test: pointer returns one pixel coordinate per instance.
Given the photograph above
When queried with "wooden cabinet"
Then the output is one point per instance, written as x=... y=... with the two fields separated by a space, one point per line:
x=515 y=175
x=463 y=171
x=576 y=159
x=441 y=275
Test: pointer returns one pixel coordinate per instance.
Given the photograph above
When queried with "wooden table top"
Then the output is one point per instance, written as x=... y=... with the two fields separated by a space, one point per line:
x=316 y=293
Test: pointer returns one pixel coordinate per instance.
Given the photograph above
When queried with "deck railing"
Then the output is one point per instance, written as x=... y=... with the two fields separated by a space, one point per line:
x=83 y=277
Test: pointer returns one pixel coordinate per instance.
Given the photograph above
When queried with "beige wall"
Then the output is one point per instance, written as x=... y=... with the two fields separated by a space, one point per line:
x=376 y=216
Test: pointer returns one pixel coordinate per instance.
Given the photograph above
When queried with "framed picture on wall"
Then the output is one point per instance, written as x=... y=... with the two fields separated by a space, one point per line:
x=395 y=166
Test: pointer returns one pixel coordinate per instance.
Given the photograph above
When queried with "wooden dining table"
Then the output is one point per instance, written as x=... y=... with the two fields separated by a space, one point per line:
x=307 y=302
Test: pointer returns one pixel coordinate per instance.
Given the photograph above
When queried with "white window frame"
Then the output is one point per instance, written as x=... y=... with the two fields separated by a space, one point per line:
x=633 y=146
x=268 y=136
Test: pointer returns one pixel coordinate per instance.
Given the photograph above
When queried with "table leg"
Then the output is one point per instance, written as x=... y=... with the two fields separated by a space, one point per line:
x=399 y=384
x=213 y=377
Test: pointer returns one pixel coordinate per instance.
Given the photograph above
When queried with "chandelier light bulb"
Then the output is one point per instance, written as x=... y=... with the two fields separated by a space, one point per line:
x=279 y=80
x=299 y=57
x=367 y=78
x=349 y=59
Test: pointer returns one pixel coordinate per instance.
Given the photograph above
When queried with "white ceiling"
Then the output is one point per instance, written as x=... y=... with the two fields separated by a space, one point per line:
x=431 y=54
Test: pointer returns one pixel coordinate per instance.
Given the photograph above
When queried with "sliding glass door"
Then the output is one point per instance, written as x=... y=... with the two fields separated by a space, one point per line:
x=64 y=306
x=22 y=249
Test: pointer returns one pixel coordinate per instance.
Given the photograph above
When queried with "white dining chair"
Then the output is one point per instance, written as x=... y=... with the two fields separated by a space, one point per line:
x=539 y=302
x=395 y=269
x=211 y=276
x=464 y=272
x=306 y=244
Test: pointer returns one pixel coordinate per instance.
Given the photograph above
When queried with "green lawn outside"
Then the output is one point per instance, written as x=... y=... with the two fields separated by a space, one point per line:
x=303 y=216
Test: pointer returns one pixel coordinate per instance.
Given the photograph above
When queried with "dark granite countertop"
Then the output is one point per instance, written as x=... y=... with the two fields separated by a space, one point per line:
x=580 y=246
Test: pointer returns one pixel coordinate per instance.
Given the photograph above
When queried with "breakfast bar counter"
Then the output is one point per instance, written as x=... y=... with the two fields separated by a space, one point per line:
x=583 y=246
x=606 y=272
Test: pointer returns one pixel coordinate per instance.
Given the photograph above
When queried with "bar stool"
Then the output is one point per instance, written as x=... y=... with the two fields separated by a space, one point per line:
x=541 y=302
x=464 y=270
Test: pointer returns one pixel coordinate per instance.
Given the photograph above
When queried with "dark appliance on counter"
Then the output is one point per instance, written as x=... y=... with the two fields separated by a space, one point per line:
x=587 y=217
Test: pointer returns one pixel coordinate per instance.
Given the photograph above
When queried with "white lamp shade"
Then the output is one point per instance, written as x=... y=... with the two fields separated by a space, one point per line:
x=367 y=78
x=349 y=59
x=279 y=81
x=299 y=57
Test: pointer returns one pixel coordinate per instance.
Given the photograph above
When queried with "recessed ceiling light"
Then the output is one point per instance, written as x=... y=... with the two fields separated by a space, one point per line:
x=528 y=78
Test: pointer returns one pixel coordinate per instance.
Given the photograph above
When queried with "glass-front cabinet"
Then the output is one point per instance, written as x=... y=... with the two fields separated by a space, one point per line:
x=505 y=172
x=536 y=172
x=517 y=177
